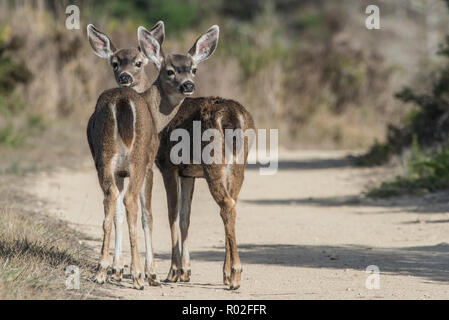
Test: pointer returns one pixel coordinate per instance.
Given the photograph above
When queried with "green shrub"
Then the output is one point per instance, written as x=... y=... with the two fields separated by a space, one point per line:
x=11 y=137
x=378 y=154
x=425 y=172
x=12 y=73
x=177 y=14
x=428 y=121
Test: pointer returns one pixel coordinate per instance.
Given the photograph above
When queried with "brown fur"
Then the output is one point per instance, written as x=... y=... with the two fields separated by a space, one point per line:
x=125 y=119
x=224 y=185
x=122 y=135
x=113 y=162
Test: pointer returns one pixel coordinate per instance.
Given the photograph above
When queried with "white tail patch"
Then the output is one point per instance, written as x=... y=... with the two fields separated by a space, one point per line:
x=242 y=121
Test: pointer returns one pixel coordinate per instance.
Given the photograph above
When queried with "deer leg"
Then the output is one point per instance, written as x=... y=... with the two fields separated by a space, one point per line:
x=227 y=265
x=111 y=193
x=235 y=173
x=130 y=201
x=224 y=185
x=228 y=214
x=187 y=186
x=147 y=225
x=117 y=264
x=172 y=186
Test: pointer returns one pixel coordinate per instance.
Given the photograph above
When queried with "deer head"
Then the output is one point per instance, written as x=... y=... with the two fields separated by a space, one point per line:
x=177 y=71
x=127 y=64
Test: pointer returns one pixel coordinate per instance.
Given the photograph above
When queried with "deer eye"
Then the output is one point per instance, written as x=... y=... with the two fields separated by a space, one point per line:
x=138 y=64
x=170 y=73
x=194 y=70
x=115 y=65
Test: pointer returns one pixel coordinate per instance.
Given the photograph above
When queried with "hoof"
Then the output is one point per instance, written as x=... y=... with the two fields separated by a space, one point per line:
x=117 y=274
x=101 y=275
x=173 y=276
x=236 y=274
x=100 y=279
x=226 y=279
x=153 y=280
x=138 y=281
x=185 y=275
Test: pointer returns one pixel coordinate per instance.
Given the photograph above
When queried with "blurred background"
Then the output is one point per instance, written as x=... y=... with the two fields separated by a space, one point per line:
x=309 y=68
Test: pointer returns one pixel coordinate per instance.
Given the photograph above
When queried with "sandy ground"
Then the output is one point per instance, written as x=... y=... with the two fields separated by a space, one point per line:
x=303 y=233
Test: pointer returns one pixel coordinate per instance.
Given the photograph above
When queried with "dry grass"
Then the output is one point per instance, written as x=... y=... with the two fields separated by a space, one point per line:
x=35 y=249
x=34 y=252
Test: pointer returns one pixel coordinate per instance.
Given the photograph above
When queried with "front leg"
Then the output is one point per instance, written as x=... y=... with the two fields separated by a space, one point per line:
x=187 y=186
x=110 y=197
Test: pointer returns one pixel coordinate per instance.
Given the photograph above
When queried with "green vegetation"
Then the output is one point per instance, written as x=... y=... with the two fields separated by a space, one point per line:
x=425 y=131
x=425 y=172
x=428 y=121
x=177 y=14
x=12 y=73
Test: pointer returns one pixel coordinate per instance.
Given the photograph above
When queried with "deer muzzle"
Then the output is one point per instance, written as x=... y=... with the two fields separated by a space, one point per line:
x=125 y=79
x=187 y=88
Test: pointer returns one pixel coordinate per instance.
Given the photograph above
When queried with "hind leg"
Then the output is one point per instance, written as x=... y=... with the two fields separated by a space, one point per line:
x=235 y=182
x=136 y=179
x=111 y=193
x=117 y=264
x=224 y=184
x=147 y=225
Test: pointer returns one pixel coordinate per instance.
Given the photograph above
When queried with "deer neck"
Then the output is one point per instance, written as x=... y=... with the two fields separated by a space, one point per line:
x=143 y=84
x=163 y=105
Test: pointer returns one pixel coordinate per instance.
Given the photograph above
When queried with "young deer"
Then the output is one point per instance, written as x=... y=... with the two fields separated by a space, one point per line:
x=122 y=133
x=224 y=180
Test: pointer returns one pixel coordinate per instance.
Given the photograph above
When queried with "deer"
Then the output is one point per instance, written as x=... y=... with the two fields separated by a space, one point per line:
x=122 y=134
x=224 y=181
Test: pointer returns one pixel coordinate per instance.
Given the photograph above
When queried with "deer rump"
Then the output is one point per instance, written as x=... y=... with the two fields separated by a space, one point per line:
x=213 y=113
x=120 y=129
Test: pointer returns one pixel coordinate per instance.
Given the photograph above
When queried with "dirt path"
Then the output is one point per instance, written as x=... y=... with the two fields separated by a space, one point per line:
x=303 y=234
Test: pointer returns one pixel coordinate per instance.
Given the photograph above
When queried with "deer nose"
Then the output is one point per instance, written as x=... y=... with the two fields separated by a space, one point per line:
x=188 y=87
x=125 y=78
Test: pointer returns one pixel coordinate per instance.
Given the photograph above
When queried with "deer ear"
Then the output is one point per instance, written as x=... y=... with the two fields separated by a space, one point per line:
x=145 y=59
x=158 y=32
x=205 y=45
x=150 y=46
x=100 y=42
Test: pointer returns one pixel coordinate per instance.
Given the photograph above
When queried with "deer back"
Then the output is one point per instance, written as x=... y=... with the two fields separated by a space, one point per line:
x=213 y=113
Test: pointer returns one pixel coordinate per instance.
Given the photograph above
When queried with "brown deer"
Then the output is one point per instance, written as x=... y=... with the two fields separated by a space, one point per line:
x=224 y=180
x=122 y=133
